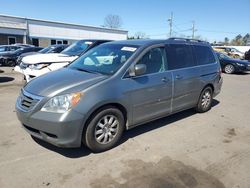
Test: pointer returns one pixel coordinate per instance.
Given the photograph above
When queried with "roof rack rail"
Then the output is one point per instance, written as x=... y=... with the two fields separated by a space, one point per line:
x=186 y=39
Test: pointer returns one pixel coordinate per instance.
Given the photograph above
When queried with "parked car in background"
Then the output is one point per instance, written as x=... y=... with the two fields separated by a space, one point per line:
x=230 y=65
x=232 y=52
x=36 y=65
x=6 y=48
x=23 y=45
x=117 y=86
x=9 y=58
x=247 y=55
x=57 y=48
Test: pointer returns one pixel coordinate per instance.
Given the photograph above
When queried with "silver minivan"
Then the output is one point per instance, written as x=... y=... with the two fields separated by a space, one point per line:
x=117 y=86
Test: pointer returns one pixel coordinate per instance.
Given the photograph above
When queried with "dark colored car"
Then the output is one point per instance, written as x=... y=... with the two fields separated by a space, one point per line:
x=230 y=65
x=9 y=58
x=117 y=86
x=6 y=48
x=247 y=55
x=57 y=48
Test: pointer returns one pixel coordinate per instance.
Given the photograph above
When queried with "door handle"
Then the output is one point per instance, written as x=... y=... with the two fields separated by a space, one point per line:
x=178 y=77
x=165 y=80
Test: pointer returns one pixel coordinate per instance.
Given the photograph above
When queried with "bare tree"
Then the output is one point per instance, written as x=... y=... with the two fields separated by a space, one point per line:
x=113 y=21
x=140 y=35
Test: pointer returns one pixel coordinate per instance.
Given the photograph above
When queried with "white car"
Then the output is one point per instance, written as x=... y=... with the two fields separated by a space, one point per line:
x=36 y=65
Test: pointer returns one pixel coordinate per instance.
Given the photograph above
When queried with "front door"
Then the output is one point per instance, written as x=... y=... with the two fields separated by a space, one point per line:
x=151 y=93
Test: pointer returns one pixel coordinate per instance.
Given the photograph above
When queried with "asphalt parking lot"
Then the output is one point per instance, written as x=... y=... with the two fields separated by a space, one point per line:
x=184 y=150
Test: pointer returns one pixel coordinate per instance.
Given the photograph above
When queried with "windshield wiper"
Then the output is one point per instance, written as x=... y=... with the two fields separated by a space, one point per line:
x=88 y=71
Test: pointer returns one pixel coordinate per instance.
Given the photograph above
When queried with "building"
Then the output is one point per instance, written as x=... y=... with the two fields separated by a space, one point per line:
x=42 y=33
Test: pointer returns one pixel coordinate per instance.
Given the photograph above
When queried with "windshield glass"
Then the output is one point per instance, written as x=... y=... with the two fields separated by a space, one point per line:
x=2 y=49
x=104 y=59
x=221 y=55
x=77 y=48
x=235 y=50
x=46 y=50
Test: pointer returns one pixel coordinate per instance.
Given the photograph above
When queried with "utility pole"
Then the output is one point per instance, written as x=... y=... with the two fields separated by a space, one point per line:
x=170 y=24
x=193 y=29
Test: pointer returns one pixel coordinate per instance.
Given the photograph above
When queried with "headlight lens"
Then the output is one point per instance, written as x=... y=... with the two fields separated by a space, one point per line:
x=62 y=103
x=39 y=66
x=240 y=64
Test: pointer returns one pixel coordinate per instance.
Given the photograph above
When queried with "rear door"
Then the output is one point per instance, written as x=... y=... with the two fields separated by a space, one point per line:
x=185 y=74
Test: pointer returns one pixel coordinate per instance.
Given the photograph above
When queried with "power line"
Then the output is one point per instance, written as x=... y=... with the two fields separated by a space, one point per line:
x=217 y=31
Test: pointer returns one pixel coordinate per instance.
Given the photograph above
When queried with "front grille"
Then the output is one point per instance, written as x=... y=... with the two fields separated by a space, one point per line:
x=28 y=101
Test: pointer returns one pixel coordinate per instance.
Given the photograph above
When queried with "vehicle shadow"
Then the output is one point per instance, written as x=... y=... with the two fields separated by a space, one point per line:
x=242 y=73
x=1 y=71
x=6 y=79
x=84 y=151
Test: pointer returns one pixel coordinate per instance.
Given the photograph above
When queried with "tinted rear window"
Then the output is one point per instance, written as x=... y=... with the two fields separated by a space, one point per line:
x=179 y=56
x=204 y=55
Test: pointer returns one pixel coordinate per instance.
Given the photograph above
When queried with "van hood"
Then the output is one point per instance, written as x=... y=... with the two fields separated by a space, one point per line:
x=47 y=58
x=62 y=81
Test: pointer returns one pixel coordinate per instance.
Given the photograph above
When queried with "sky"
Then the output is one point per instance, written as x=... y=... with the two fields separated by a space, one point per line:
x=214 y=19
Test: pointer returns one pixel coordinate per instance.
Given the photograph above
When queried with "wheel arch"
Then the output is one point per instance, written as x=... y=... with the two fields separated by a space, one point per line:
x=208 y=85
x=99 y=108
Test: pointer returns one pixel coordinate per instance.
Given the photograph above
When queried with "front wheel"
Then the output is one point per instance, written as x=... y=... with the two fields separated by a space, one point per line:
x=205 y=100
x=104 y=129
x=229 y=69
x=11 y=63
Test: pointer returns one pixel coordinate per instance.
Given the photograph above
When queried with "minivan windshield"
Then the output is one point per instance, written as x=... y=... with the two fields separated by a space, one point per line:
x=104 y=59
x=77 y=48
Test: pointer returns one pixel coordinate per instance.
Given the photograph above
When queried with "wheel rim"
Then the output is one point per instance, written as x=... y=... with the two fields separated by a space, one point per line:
x=206 y=99
x=106 y=129
x=229 y=69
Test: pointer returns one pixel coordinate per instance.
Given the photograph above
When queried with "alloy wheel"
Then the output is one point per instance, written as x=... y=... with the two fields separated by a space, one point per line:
x=229 y=69
x=206 y=99
x=106 y=129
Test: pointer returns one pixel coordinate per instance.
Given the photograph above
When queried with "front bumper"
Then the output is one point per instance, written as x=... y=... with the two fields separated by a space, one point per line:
x=243 y=68
x=62 y=130
x=30 y=73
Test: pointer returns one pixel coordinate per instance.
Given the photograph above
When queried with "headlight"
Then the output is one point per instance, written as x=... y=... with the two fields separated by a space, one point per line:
x=240 y=64
x=39 y=66
x=62 y=103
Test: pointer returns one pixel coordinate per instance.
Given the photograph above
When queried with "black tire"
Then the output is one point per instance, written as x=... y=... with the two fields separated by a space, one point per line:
x=229 y=69
x=94 y=132
x=11 y=63
x=205 y=100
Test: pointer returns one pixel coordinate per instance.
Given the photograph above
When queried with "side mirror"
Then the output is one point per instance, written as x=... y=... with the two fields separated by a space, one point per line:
x=140 y=69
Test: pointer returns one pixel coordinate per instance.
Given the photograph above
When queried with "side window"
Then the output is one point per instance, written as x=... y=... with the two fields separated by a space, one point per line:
x=179 y=56
x=204 y=55
x=155 y=60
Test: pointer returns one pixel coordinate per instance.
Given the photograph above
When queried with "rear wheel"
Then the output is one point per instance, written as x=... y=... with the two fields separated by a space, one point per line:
x=229 y=69
x=104 y=129
x=205 y=100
